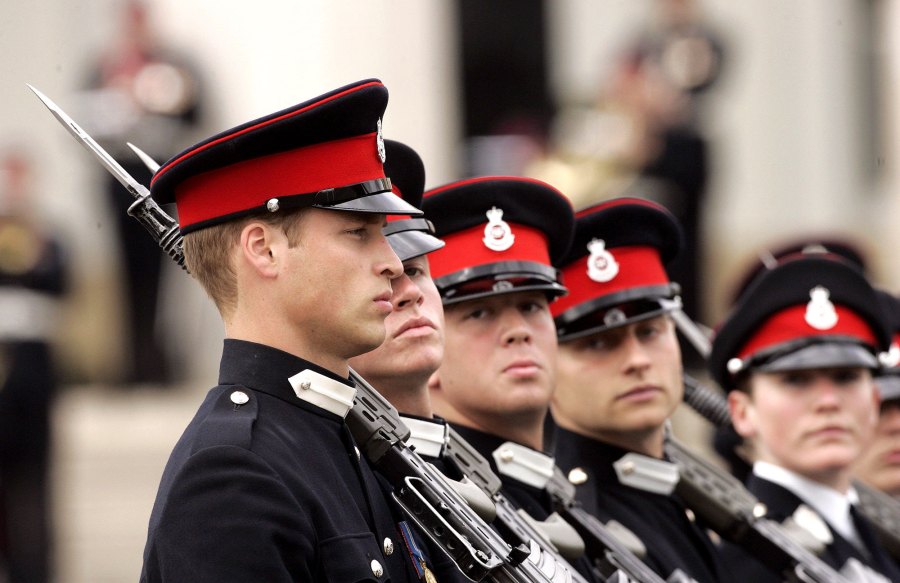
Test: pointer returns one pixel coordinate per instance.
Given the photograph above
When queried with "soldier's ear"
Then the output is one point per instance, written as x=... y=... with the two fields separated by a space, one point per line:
x=259 y=248
x=743 y=413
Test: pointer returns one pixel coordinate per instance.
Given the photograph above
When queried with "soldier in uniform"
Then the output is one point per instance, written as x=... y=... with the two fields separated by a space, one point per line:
x=282 y=220
x=496 y=281
x=414 y=343
x=33 y=278
x=879 y=465
x=620 y=378
x=797 y=354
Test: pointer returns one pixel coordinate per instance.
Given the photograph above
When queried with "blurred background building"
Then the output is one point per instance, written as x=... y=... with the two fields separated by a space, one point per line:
x=758 y=123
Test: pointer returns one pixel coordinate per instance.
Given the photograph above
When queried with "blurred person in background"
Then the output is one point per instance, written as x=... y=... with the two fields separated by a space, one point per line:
x=644 y=137
x=619 y=380
x=33 y=279
x=797 y=354
x=879 y=464
x=140 y=89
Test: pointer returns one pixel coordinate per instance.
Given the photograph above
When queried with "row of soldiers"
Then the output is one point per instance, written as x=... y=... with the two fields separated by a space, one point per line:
x=502 y=322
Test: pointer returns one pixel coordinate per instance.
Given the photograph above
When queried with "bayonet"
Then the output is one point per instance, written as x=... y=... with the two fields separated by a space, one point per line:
x=151 y=164
x=162 y=227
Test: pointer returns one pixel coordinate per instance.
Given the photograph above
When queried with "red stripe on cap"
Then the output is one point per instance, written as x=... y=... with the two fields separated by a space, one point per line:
x=620 y=202
x=250 y=183
x=638 y=267
x=790 y=324
x=466 y=249
x=255 y=127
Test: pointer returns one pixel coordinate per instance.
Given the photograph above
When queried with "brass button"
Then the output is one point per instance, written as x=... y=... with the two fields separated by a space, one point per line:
x=377 y=569
x=388 y=546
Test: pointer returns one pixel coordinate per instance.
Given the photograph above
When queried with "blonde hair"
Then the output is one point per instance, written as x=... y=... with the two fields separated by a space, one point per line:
x=208 y=254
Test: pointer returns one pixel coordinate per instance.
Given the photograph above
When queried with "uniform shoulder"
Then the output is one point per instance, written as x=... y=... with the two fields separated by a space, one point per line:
x=231 y=413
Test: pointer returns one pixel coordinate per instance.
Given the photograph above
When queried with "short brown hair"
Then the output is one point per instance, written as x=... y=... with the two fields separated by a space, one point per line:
x=207 y=254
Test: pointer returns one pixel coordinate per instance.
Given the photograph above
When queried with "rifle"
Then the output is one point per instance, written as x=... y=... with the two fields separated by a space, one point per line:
x=603 y=544
x=728 y=508
x=420 y=491
x=613 y=559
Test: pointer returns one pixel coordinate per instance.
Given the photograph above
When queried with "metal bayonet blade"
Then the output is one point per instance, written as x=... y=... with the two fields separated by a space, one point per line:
x=136 y=189
x=151 y=164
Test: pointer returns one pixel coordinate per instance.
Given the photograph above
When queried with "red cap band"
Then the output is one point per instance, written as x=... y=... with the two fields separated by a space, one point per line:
x=465 y=249
x=250 y=183
x=790 y=324
x=638 y=267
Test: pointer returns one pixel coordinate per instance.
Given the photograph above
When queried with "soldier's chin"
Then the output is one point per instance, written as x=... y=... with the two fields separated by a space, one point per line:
x=367 y=343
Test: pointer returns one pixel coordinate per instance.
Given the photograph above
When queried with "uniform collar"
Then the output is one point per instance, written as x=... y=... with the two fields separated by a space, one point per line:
x=585 y=458
x=830 y=504
x=284 y=375
x=427 y=436
x=486 y=444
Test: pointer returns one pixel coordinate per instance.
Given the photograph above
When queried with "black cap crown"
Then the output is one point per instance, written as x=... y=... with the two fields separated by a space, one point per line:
x=502 y=235
x=615 y=268
x=326 y=152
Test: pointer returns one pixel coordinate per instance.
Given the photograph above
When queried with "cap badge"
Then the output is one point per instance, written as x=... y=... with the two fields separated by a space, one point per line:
x=502 y=286
x=614 y=317
x=379 y=141
x=820 y=312
x=602 y=266
x=497 y=234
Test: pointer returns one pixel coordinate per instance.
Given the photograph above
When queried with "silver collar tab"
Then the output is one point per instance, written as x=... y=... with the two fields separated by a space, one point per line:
x=524 y=464
x=646 y=473
x=427 y=437
x=323 y=392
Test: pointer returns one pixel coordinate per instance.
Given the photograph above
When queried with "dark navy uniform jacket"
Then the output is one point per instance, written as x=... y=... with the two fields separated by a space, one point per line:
x=781 y=504
x=672 y=540
x=270 y=490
